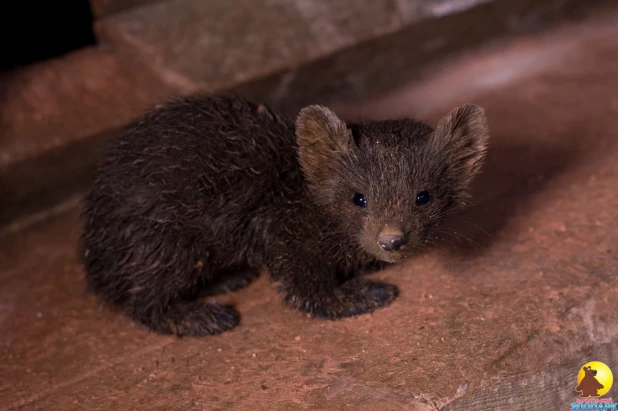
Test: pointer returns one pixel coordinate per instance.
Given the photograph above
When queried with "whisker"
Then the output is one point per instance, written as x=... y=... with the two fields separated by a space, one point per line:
x=452 y=234
x=442 y=246
x=477 y=246
x=476 y=226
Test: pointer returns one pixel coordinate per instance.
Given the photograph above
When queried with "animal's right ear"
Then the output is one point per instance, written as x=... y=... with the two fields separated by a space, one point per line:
x=462 y=136
x=460 y=141
x=323 y=141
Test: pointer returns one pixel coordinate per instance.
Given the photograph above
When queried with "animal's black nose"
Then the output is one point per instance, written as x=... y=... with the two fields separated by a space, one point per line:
x=391 y=242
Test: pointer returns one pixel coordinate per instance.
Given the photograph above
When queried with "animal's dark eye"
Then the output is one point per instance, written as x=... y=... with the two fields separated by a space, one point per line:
x=360 y=200
x=423 y=198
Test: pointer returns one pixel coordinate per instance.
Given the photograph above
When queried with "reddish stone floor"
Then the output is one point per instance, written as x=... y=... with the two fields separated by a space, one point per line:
x=520 y=293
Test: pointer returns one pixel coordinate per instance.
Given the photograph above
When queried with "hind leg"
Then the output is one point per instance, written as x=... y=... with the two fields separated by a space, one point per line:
x=192 y=319
x=153 y=278
x=178 y=310
x=196 y=318
x=229 y=281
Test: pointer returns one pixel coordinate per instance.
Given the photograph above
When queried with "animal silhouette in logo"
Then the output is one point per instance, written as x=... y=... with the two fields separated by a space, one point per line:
x=589 y=384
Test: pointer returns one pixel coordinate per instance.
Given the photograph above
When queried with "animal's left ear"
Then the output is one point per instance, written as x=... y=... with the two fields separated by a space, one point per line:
x=461 y=140
x=324 y=142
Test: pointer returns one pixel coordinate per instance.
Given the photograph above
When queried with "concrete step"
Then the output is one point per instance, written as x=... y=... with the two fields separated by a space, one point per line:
x=293 y=52
x=57 y=114
x=522 y=295
x=102 y=8
x=55 y=117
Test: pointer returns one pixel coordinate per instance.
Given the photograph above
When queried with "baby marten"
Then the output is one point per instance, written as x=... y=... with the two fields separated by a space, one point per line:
x=199 y=194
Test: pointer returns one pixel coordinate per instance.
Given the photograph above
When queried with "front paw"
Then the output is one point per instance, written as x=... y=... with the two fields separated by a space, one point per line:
x=352 y=298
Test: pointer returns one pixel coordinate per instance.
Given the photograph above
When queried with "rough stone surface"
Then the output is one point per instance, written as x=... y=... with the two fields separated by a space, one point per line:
x=55 y=115
x=386 y=62
x=91 y=87
x=500 y=315
x=356 y=47
x=217 y=44
x=101 y=8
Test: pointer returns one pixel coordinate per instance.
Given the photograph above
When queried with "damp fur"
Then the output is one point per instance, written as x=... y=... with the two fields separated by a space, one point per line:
x=200 y=194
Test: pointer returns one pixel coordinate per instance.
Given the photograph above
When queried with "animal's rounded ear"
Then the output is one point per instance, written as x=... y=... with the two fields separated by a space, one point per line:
x=323 y=139
x=319 y=126
x=461 y=139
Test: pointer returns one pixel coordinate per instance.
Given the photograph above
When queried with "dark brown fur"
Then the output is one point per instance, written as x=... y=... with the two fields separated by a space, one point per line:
x=201 y=193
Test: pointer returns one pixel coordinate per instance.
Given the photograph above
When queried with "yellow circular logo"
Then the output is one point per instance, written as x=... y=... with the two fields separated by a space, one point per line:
x=594 y=379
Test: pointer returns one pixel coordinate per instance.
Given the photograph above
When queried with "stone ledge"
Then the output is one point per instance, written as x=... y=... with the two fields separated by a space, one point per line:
x=386 y=62
x=54 y=117
x=102 y=8
x=218 y=44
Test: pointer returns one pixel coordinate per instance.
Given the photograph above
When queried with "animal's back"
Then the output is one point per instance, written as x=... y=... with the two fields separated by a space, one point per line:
x=180 y=195
x=197 y=154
